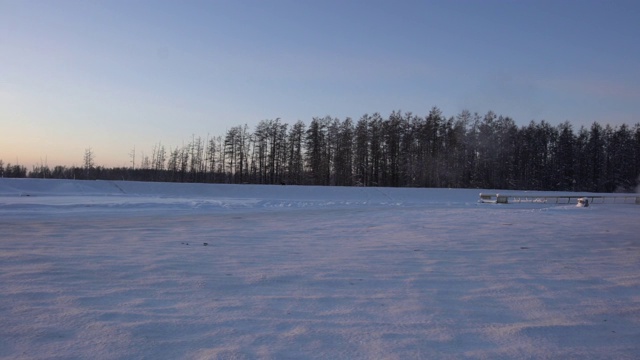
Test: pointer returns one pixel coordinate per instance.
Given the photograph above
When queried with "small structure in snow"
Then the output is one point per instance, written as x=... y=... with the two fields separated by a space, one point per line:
x=583 y=202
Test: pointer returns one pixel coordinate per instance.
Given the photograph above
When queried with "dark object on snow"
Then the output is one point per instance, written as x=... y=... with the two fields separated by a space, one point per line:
x=205 y=244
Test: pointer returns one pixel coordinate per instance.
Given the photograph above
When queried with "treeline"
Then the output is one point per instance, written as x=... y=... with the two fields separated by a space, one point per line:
x=465 y=151
x=12 y=171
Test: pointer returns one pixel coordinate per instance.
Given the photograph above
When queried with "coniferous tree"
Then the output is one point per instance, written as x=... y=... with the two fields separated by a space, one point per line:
x=595 y=148
x=343 y=155
x=376 y=166
x=565 y=158
x=277 y=150
x=409 y=165
x=212 y=162
x=260 y=151
x=506 y=138
x=233 y=153
x=361 y=152
x=296 y=160
x=583 y=173
x=392 y=138
x=621 y=175
x=635 y=166
x=316 y=142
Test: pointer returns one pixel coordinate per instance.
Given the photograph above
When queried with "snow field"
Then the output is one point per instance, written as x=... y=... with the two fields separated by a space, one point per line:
x=117 y=270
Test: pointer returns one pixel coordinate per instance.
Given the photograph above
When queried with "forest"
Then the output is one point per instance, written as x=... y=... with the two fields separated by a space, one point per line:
x=468 y=150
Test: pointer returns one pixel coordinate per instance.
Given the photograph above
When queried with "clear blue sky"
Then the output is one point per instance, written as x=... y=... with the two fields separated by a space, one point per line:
x=110 y=75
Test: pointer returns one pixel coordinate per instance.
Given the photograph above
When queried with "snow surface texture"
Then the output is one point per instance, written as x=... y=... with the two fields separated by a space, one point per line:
x=126 y=270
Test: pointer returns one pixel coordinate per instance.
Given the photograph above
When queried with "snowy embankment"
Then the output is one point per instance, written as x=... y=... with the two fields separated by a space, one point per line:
x=121 y=270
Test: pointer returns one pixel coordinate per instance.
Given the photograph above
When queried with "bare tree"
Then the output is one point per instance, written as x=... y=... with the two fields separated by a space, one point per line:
x=132 y=154
x=88 y=159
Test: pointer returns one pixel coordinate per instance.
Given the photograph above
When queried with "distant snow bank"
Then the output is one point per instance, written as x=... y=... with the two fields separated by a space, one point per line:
x=43 y=193
x=55 y=187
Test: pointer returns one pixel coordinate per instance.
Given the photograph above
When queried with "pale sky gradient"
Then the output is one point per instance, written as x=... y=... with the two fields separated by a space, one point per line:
x=110 y=75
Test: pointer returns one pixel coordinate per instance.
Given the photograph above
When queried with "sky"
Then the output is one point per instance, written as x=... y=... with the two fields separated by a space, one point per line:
x=116 y=75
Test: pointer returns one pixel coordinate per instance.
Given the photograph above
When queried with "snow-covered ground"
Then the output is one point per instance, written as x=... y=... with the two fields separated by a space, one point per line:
x=126 y=270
